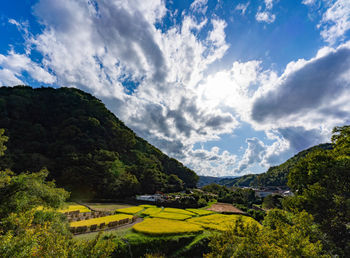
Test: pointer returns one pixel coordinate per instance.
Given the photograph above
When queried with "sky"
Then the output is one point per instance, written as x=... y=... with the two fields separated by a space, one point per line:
x=227 y=87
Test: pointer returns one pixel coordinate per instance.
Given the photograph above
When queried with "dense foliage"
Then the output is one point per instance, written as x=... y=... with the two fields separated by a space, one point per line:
x=315 y=221
x=87 y=150
x=283 y=235
x=245 y=197
x=321 y=182
x=26 y=231
x=274 y=176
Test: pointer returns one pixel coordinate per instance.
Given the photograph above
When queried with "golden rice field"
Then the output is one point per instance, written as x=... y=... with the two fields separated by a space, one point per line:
x=170 y=215
x=99 y=221
x=70 y=208
x=150 y=211
x=179 y=211
x=156 y=226
x=220 y=221
x=200 y=212
x=131 y=210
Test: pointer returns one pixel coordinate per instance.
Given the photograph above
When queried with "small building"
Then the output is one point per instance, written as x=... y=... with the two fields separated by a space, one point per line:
x=150 y=197
x=263 y=194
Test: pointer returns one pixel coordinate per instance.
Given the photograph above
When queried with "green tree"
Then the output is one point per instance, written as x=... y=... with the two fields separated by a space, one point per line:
x=321 y=183
x=3 y=139
x=283 y=235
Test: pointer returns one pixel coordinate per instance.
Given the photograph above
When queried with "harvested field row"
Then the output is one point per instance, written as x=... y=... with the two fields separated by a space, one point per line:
x=101 y=220
x=225 y=207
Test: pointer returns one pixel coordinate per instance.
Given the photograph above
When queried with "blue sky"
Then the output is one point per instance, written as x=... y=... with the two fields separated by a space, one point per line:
x=227 y=87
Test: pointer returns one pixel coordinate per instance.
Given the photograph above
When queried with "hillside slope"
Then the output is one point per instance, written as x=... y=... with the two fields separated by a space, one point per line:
x=86 y=148
x=274 y=176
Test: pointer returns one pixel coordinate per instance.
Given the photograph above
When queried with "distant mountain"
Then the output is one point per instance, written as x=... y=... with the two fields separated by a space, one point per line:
x=85 y=147
x=275 y=176
x=207 y=180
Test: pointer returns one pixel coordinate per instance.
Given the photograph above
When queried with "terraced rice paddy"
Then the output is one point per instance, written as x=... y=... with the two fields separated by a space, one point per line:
x=99 y=221
x=79 y=208
x=150 y=211
x=179 y=211
x=156 y=226
x=131 y=210
x=170 y=215
x=69 y=208
x=200 y=212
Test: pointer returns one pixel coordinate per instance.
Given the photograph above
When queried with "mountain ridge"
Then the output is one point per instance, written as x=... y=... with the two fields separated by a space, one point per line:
x=86 y=148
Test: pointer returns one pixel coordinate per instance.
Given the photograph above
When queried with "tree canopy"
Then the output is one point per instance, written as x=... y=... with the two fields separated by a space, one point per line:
x=86 y=148
x=321 y=183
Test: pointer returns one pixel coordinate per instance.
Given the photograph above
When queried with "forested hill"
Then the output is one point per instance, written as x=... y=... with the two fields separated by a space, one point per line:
x=275 y=176
x=85 y=147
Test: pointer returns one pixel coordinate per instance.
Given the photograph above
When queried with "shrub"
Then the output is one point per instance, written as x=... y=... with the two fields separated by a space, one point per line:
x=220 y=222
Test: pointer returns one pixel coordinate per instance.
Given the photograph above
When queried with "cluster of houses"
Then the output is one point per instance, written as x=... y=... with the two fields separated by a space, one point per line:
x=259 y=192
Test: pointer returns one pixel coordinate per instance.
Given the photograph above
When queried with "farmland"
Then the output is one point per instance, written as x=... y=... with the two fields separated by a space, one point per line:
x=148 y=227
x=99 y=221
x=170 y=215
x=156 y=226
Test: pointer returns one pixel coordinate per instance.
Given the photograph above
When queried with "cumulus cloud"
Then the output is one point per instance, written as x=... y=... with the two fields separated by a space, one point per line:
x=100 y=46
x=308 y=2
x=199 y=6
x=266 y=15
x=176 y=103
x=253 y=154
x=335 y=21
x=211 y=162
x=307 y=89
x=13 y=65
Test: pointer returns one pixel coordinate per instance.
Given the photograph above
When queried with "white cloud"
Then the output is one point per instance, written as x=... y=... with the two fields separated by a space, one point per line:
x=253 y=154
x=211 y=162
x=308 y=2
x=199 y=6
x=97 y=46
x=269 y=4
x=175 y=104
x=265 y=17
x=308 y=93
x=335 y=21
x=242 y=8
x=13 y=65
